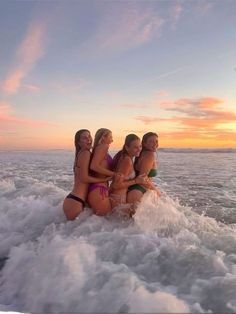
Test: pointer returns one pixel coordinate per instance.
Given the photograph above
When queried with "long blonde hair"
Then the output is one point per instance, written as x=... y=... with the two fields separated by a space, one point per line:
x=99 y=136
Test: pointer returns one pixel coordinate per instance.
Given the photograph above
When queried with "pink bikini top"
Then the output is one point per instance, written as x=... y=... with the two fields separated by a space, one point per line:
x=109 y=160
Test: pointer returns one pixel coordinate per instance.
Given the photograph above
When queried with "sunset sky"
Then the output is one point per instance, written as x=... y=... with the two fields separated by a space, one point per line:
x=130 y=66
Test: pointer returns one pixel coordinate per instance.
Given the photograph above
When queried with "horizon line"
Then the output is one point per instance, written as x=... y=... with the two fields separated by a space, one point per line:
x=72 y=149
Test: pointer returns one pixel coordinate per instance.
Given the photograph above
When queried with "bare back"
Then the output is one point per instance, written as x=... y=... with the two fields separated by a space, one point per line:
x=81 y=164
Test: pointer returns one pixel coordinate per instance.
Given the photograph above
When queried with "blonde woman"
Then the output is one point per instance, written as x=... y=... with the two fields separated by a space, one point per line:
x=100 y=167
x=75 y=201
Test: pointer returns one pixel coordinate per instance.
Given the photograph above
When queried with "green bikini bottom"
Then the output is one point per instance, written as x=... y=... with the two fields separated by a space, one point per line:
x=137 y=187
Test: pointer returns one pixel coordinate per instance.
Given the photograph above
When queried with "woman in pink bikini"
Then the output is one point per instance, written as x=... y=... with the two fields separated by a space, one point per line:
x=100 y=167
x=75 y=201
x=123 y=163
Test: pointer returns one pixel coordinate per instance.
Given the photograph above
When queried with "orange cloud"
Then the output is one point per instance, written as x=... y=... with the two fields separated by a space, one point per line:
x=30 y=50
x=200 y=112
x=199 y=107
x=148 y=120
x=217 y=138
x=200 y=119
x=134 y=131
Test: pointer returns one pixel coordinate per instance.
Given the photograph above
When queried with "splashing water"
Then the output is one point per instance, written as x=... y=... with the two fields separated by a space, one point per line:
x=167 y=259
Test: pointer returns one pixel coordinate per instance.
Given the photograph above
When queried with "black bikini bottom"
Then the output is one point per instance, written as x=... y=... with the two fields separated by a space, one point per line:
x=76 y=198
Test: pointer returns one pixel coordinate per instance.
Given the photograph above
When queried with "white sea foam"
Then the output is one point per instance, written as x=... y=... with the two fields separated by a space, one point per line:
x=168 y=259
x=25 y=213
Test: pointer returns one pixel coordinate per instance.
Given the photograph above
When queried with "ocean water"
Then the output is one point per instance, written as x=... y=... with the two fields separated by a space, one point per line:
x=178 y=254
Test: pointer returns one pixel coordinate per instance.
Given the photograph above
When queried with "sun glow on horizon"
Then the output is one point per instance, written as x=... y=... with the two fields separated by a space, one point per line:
x=61 y=73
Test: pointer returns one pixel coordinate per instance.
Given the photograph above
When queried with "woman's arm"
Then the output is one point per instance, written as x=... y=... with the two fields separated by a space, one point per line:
x=125 y=167
x=125 y=184
x=99 y=155
x=83 y=165
x=145 y=166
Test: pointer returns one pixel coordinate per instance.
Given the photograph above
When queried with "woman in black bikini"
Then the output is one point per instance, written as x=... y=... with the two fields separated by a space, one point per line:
x=75 y=201
x=145 y=164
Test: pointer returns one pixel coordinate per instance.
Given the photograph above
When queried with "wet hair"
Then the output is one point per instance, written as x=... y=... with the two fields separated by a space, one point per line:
x=76 y=142
x=144 y=141
x=146 y=137
x=98 y=137
x=128 y=140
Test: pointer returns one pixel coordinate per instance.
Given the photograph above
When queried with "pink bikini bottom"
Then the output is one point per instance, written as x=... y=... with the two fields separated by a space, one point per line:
x=102 y=189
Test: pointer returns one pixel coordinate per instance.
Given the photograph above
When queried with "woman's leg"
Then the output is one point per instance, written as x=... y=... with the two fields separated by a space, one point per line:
x=72 y=208
x=134 y=197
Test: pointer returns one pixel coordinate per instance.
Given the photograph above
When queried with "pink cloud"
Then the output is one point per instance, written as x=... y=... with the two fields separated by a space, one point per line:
x=30 y=50
x=32 y=47
x=12 y=82
x=193 y=106
x=7 y=118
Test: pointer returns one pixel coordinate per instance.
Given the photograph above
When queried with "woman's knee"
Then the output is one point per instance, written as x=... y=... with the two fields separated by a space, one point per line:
x=71 y=214
x=103 y=208
x=134 y=196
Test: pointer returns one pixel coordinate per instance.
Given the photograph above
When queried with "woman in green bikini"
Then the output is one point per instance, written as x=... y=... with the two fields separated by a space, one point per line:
x=145 y=164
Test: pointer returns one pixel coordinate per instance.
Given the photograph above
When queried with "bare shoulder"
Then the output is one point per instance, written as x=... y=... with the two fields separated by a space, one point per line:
x=82 y=158
x=124 y=165
x=84 y=155
x=148 y=156
x=126 y=160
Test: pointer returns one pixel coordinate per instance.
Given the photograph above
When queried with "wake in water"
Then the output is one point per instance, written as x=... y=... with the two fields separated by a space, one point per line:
x=167 y=259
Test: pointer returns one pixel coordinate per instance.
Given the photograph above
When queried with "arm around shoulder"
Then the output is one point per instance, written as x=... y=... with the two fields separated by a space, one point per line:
x=83 y=165
x=99 y=155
